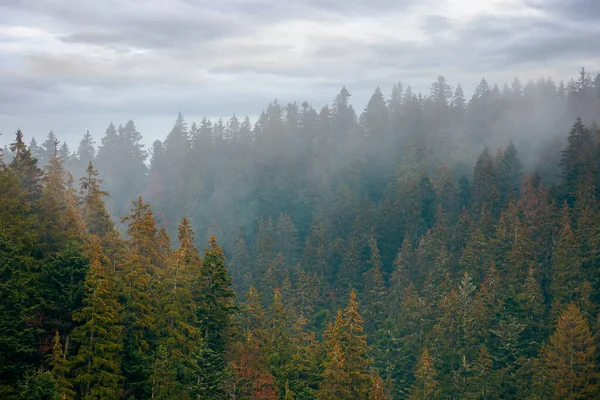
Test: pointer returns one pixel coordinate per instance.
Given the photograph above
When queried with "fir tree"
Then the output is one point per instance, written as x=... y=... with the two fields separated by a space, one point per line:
x=60 y=369
x=426 y=384
x=567 y=274
x=215 y=308
x=568 y=359
x=355 y=350
x=164 y=375
x=26 y=168
x=97 y=364
x=377 y=391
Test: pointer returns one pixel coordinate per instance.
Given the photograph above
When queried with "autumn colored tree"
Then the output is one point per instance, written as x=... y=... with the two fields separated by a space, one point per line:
x=568 y=359
x=355 y=349
x=426 y=384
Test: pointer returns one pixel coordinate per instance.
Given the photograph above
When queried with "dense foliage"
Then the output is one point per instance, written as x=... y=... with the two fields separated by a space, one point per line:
x=364 y=257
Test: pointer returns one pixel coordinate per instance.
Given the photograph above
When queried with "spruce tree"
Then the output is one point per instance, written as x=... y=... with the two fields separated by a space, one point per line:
x=426 y=384
x=567 y=273
x=48 y=149
x=97 y=364
x=178 y=327
x=336 y=382
x=355 y=350
x=25 y=166
x=214 y=297
x=568 y=359
x=144 y=259
x=85 y=153
x=164 y=376
x=94 y=213
x=377 y=390
x=59 y=365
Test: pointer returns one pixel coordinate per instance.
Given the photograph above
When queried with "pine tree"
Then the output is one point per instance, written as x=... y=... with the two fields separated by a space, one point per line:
x=476 y=256
x=336 y=382
x=60 y=369
x=576 y=161
x=279 y=345
x=349 y=271
x=375 y=290
x=306 y=371
x=65 y=154
x=287 y=239
x=34 y=148
x=484 y=183
x=85 y=153
x=480 y=385
x=94 y=213
x=567 y=274
x=25 y=166
x=215 y=309
x=142 y=262
x=568 y=359
x=355 y=350
x=179 y=329
x=164 y=376
x=53 y=204
x=377 y=390
x=19 y=291
x=401 y=278
x=425 y=386
x=48 y=149
x=97 y=365
x=510 y=173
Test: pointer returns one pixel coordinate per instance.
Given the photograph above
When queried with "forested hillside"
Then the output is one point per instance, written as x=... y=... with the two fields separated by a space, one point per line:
x=432 y=247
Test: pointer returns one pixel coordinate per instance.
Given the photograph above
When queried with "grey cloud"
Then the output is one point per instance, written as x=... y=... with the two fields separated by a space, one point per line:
x=518 y=41
x=579 y=11
x=436 y=24
x=202 y=57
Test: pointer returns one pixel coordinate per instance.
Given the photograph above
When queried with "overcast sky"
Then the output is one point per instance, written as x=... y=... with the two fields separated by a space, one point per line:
x=76 y=65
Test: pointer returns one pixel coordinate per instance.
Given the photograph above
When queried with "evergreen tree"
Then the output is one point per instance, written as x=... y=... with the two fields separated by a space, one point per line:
x=34 y=148
x=179 y=329
x=48 y=149
x=377 y=391
x=567 y=274
x=355 y=350
x=97 y=364
x=568 y=359
x=60 y=369
x=94 y=213
x=336 y=382
x=576 y=161
x=143 y=261
x=26 y=168
x=426 y=384
x=375 y=289
x=214 y=297
x=164 y=375
x=85 y=153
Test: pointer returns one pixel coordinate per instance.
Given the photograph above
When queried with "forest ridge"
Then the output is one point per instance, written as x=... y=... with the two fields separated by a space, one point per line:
x=386 y=255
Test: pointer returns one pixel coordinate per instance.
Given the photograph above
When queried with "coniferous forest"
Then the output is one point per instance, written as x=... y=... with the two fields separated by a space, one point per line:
x=432 y=246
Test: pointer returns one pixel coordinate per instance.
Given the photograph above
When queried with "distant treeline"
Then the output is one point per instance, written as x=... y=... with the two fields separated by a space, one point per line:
x=365 y=257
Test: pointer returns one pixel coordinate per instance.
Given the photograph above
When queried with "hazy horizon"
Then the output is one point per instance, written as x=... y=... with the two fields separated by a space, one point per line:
x=72 y=66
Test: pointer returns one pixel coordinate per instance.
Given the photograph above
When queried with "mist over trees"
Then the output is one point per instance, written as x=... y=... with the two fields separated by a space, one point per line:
x=430 y=246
